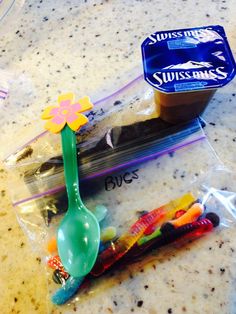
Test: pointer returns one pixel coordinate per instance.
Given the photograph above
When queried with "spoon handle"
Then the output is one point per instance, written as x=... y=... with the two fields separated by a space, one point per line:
x=68 y=140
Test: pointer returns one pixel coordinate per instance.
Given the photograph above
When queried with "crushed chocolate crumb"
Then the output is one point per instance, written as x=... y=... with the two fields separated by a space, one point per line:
x=27 y=153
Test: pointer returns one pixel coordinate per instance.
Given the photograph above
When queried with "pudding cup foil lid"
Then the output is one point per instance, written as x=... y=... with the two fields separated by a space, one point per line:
x=188 y=59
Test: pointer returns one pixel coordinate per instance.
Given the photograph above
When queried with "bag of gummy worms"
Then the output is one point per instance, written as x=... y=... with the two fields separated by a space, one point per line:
x=155 y=189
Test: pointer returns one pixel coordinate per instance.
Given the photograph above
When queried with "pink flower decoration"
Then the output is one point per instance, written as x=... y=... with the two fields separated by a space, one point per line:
x=67 y=113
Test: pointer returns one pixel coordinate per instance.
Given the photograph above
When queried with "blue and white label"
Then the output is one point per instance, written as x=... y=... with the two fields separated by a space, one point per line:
x=188 y=59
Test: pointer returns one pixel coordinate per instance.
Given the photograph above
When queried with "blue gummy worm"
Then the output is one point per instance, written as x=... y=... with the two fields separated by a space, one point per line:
x=67 y=291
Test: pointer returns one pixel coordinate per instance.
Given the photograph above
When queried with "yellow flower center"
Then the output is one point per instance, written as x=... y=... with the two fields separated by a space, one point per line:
x=65 y=111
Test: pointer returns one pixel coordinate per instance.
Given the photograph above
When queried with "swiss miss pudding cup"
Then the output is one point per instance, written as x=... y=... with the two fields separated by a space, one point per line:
x=185 y=67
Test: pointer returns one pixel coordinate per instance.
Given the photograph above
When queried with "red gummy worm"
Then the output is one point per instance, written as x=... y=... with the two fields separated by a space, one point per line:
x=189 y=231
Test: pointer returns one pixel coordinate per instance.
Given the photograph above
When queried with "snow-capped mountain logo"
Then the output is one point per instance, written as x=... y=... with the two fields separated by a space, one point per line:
x=190 y=65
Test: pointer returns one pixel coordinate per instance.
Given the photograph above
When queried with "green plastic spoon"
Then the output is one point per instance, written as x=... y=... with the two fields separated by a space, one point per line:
x=78 y=235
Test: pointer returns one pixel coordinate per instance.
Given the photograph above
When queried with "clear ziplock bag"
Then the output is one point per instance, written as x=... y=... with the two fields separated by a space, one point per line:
x=133 y=101
x=141 y=176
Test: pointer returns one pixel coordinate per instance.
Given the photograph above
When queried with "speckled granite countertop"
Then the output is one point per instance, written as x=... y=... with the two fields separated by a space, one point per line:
x=64 y=45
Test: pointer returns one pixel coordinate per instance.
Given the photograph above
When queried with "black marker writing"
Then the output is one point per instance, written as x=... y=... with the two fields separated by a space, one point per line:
x=112 y=182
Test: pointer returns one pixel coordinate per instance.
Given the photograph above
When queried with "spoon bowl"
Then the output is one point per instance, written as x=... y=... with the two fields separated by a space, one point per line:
x=78 y=241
